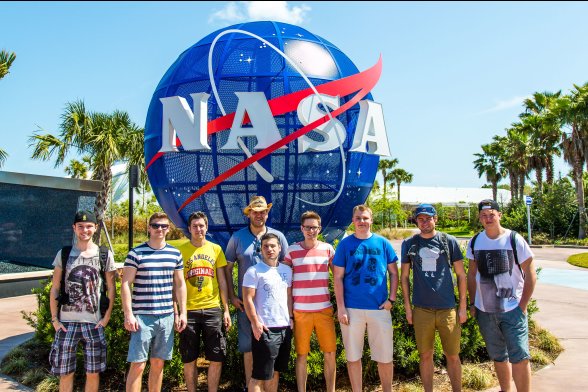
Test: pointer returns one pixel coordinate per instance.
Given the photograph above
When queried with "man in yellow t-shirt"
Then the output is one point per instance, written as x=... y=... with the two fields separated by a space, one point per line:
x=204 y=271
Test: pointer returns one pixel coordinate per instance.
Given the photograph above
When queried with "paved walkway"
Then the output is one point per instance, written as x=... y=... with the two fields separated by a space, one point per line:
x=14 y=331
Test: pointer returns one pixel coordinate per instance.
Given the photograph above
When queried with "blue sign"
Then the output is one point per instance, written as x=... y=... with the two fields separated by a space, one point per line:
x=528 y=200
x=264 y=108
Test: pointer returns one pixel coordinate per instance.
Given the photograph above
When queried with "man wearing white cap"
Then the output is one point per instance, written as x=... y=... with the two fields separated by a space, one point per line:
x=244 y=248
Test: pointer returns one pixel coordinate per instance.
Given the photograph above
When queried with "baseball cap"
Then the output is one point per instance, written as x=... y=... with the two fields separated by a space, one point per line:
x=426 y=209
x=85 y=216
x=488 y=204
x=257 y=203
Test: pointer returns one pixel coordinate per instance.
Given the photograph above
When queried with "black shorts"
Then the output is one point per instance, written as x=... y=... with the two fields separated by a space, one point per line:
x=207 y=323
x=271 y=352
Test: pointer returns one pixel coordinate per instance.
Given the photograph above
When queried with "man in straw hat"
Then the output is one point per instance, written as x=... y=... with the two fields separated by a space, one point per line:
x=244 y=248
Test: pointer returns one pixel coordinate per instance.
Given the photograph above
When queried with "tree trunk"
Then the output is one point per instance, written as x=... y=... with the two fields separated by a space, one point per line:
x=513 y=186
x=578 y=164
x=398 y=185
x=549 y=170
x=105 y=176
x=495 y=190
x=539 y=177
x=521 y=186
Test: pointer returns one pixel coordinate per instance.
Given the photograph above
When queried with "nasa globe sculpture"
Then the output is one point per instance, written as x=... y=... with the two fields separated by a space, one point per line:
x=264 y=108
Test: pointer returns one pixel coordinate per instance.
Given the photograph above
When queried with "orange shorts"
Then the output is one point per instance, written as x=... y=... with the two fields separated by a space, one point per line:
x=324 y=325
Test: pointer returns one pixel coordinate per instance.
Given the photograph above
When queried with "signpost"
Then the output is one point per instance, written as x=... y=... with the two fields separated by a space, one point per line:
x=528 y=201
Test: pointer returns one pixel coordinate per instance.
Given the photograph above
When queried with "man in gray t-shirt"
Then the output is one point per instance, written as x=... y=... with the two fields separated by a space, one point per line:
x=431 y=256
x=75 y=312
x=244 y=248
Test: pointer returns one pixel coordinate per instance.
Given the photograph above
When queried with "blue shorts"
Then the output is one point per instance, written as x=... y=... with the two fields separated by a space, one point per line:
x=245 y=334
x=506 y=335
x=155 y=334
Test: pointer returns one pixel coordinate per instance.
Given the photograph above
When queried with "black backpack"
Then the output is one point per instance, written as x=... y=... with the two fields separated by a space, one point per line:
x=64 y=296
x=513 y=245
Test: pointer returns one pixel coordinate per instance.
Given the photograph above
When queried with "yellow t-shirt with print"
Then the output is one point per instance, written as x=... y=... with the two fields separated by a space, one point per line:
x=200 y=272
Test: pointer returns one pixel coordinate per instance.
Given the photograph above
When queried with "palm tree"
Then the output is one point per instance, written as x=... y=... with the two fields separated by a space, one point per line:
x=515 y=157
x=79 y=169
x=489 y=162
x=573 y=111
x=6 y=60
x=106 y=138
x=384 y=165
x=545 y=132
x=399 y=176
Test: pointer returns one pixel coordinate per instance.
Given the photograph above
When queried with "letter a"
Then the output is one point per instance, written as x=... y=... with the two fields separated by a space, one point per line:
x=263 y=125
x=371 y=130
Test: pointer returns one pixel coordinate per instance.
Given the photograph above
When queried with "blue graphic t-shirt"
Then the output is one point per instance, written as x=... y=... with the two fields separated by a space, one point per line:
x=366 y=269
x=432 y=280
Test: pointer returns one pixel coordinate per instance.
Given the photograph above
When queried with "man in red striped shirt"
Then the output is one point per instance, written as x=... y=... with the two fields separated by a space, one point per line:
x=310 y=261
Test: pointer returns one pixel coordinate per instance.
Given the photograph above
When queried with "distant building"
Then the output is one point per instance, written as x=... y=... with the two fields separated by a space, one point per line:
x=413 y=195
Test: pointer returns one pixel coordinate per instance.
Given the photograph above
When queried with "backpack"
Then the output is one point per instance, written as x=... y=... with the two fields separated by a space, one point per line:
x=413 y=249
x=513 y=245
x=64 y=296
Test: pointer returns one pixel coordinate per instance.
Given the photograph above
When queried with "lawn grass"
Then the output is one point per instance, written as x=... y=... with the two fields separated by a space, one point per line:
x=579 y=260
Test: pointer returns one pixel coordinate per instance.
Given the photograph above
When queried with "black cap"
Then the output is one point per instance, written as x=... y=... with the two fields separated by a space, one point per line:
x=85 y=216
x=488 y=204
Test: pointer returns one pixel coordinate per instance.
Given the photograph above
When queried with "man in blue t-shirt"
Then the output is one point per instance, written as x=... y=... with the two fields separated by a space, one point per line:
x=361 y=264
x=431 y=254
x=244 y=248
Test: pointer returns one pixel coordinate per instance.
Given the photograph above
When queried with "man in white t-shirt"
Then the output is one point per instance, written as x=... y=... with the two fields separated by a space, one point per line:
x=311 y=260
x=75 y=308
x=267 y=297
x=501 y=278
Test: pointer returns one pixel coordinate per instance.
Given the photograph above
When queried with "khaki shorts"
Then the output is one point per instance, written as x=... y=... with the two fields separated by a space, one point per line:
x=379 y=330
x=426 y=321
x=324 y=325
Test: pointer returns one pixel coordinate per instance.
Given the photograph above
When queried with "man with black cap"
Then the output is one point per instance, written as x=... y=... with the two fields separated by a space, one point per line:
x=501 y=280
x=244 y=248
x=431 y=255
x=75 y=308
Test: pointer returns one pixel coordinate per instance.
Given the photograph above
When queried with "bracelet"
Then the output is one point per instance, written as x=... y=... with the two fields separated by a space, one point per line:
x=391 y=301
x=291 y=317
x=472 y=304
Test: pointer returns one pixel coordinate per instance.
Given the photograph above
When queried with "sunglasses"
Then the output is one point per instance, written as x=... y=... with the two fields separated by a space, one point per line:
x=159 y=226
x=309 y=228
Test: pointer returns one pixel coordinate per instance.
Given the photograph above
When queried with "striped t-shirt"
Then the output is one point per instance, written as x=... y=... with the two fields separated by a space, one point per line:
x=153 y=285
x=310 y=276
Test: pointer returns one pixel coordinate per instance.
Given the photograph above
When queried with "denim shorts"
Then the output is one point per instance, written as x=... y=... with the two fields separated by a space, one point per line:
x=506 y=335
x=155 y=334
x=244 y=332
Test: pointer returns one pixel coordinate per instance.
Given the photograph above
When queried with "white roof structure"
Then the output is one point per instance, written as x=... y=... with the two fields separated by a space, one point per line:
x=448 y=196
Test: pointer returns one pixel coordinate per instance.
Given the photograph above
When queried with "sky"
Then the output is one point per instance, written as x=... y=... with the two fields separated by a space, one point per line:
x=454 y=73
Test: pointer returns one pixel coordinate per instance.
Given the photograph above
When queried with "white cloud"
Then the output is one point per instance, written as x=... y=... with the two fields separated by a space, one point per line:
x=506 y=104
x=242 y=11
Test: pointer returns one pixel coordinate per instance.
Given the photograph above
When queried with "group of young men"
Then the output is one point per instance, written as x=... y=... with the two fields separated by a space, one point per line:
x=283 y=292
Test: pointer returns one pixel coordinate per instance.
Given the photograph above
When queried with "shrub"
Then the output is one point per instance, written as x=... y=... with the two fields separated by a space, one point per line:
x=476 y=378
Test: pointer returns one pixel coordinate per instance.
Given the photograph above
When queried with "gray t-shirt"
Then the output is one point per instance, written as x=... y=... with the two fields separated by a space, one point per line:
x=432 y=280
x=82 y=283
x=245 y=249
x=271 y=295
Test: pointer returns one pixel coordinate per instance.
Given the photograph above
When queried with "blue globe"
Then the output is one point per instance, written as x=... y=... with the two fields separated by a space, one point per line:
x=242 y=63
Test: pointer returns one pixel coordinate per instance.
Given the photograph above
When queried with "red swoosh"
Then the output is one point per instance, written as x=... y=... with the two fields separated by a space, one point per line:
x=288 y=103
x=364 y=84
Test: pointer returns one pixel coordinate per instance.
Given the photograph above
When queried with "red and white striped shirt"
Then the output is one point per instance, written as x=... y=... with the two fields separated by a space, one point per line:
x=310 y=276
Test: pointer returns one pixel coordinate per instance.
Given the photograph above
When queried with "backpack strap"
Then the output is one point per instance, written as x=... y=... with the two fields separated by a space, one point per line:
x=513 y=245
x=413 y=247
x=65 y=251
x=103 y=254
x=448 y=254
x=473 y=241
